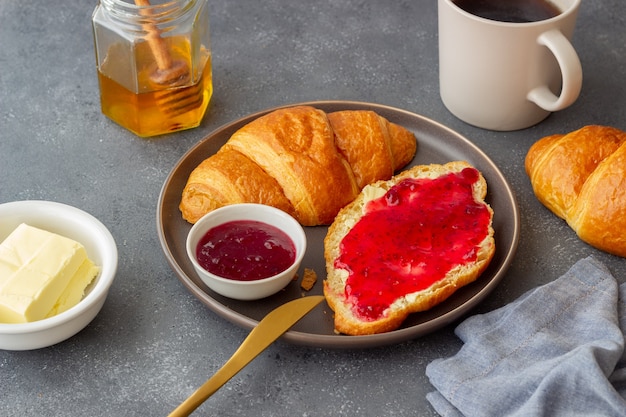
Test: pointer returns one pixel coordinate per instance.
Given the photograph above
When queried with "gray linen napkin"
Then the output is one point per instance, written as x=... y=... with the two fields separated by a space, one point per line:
x=558 y=350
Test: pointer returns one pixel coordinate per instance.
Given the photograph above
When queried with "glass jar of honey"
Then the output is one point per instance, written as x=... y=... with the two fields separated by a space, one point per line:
x=154 y=63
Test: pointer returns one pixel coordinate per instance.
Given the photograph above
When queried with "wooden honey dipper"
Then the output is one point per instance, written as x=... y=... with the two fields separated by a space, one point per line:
x=169 y=72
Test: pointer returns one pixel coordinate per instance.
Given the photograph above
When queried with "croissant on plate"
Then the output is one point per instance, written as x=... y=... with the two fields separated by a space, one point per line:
x=301 y=160
x=581 y=177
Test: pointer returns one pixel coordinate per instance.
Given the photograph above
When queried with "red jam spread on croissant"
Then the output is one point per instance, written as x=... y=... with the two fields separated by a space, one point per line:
x=410 y=238
x=245 y=250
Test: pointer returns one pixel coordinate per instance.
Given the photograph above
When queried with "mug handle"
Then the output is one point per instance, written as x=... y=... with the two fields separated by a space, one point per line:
x=571 y=72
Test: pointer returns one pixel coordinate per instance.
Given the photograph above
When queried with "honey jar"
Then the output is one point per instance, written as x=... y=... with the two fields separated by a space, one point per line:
x=154 y=63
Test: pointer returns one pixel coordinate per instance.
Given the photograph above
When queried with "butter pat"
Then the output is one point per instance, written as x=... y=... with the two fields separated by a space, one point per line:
x=41 y=274
x=75 y=290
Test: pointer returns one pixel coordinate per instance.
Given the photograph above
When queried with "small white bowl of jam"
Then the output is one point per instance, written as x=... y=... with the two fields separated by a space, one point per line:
x=246 y=251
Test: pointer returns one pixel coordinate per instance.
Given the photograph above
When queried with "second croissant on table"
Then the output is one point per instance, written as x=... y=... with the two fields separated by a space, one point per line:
x=581 y=177
x=301 y=160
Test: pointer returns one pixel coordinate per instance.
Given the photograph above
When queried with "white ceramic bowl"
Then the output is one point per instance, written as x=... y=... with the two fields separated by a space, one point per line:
x=84 y=228
x=256 y=289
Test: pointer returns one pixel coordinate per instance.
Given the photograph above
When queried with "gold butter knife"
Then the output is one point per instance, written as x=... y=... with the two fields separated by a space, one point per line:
x=277 y=322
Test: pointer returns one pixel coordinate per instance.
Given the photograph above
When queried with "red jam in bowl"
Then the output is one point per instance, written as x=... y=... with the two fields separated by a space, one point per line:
x=410 y=238
x=245 y=250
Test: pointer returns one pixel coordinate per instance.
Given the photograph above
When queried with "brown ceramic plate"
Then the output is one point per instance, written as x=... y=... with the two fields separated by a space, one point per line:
x=436 y=144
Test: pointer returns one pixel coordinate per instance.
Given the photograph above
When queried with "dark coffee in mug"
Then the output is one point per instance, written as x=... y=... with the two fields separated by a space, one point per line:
x=514 y=11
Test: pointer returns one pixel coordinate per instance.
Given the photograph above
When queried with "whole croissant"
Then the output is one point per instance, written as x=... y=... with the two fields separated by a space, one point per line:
x=581 y=177
x=300 y=160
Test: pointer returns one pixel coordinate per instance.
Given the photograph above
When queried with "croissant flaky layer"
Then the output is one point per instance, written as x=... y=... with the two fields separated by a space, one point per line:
x=300 y=160
x=581 y=177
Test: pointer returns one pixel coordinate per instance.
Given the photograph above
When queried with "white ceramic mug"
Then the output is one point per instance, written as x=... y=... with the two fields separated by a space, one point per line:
x=507 y=76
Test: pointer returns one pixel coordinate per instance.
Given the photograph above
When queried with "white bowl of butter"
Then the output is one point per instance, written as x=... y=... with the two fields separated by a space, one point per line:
x=61 y=262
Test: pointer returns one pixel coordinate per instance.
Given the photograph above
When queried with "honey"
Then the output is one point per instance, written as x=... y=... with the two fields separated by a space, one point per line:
x=157 y=109
x=153 y=63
